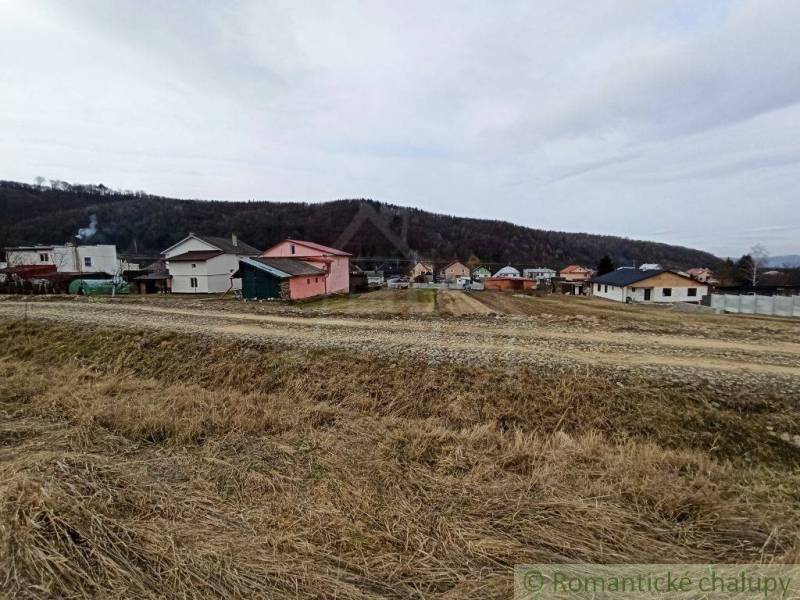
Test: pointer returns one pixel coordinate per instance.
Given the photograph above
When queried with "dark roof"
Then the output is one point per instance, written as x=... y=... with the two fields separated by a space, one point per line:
x=290 y=266
x=623 y=277
x=198 y=255
x=152 y=276
x=226 y=245
x=29 y=270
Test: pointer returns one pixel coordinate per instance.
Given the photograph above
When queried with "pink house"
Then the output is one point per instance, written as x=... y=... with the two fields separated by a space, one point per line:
x=335 y=263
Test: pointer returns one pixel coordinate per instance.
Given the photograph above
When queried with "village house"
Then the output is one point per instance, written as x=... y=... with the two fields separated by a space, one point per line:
x=421 y=269
x=702 y=274
x=68 y=258
x=507 y=271
x=278 y=277
x=480 y=273
x=454 y=271
x=539 y=274
x=205 y=264
x=335 y=263
x=575 y=273
x=656 y=285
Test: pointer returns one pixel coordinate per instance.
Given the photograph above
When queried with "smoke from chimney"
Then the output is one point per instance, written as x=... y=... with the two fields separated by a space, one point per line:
x=87 y=232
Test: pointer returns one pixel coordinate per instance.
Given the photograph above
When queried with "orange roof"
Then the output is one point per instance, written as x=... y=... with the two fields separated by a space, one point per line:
x=573 y=268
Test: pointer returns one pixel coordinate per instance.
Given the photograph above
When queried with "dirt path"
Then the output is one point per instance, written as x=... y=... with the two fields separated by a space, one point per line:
x=459 y=304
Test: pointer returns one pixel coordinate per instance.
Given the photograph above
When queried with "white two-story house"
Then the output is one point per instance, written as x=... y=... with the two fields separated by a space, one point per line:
x=202 y=264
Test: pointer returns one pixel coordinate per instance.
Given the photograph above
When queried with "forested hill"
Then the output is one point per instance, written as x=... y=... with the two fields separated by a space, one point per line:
x=138 y=222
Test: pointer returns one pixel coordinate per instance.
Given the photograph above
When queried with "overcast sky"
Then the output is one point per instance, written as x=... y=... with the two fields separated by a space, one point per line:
x=673 y=121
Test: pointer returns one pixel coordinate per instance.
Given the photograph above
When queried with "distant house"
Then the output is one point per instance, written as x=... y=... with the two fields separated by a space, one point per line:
x=335 y=263
x=702 y=274
x=507 y=271
x=575 y=273
x=539 y=273
x=481 y=273
x=657 y=285
x=279 y=277
x=205 y=264
x=421 y=269
x=651 y=267
x=454 y=271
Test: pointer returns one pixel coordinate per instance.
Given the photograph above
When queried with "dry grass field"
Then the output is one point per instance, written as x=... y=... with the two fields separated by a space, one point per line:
x=392 y=445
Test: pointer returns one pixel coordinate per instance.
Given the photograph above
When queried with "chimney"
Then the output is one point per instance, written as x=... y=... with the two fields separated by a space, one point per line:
x=234 y=240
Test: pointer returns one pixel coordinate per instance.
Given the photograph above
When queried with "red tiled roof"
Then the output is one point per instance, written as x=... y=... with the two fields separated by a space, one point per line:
x=573 y=268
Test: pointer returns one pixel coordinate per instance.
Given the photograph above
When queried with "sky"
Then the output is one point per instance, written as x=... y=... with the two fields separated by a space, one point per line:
x=675 y=121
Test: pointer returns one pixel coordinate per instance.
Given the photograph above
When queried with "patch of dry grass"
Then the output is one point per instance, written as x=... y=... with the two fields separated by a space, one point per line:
x=162 y=465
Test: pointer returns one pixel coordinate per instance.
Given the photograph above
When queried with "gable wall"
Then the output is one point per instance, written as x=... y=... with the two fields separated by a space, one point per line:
x=188 y=246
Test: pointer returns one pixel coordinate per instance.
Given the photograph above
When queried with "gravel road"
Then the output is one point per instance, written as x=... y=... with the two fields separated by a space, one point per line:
x=566 y=343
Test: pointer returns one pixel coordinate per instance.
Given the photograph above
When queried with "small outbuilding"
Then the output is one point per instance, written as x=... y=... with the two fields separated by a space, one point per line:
x=282 y=278
x=513 y=284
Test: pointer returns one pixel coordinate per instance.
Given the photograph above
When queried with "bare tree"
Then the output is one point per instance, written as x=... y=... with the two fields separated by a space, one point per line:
x=39 y=181
x=758 y=260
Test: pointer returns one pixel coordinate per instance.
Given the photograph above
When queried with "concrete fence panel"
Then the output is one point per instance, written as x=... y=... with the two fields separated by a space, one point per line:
x=779 y=306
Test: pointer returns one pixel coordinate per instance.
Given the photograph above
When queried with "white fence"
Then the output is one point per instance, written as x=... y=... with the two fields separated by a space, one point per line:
x=779 y=306
x=475 y=285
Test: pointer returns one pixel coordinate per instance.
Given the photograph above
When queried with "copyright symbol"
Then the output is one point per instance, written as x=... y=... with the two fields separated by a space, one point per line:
x=533 y=581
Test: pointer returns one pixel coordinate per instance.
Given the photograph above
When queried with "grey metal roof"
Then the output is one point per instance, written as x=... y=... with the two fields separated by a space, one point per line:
x=623 y=277
x=282 y=267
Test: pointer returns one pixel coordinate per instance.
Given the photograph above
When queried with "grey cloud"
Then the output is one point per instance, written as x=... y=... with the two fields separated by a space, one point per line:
x=644 y=118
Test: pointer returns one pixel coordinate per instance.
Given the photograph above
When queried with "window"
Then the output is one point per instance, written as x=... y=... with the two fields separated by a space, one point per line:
x=194 y=265
x=692 y=292
x=44 y=257
x=316 y=279
x=193 y=282
x=291 y=248
x=598 y=287
x=308 y=280
x=667 y=292
x=606 y=290
x=87 y=261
